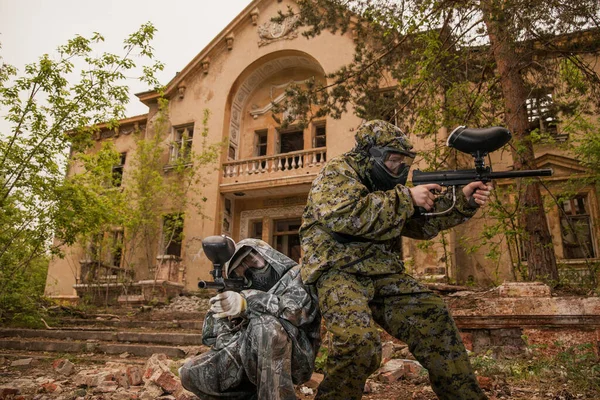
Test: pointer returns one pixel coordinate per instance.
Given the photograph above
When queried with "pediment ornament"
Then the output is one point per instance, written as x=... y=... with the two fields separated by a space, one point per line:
x=273 y=31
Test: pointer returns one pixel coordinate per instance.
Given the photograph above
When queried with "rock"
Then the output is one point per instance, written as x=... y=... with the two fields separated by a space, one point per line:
x=314 y=381
x=24 y=362
x=412 y=369
x=485 y=383
x=134 y=376
x=387 y=352
x=63 y=366
x=6 y=391
x=157 y=362
x=306 y=391
x=92 y=378
x=391 y=371
x=151 y=391
x=106 y=387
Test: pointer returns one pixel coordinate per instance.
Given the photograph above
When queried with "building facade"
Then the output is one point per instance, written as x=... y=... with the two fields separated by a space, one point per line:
x=265 y=171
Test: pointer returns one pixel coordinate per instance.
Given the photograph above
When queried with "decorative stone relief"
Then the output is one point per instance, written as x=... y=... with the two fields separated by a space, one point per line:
x=273 y=31
x=274 y=213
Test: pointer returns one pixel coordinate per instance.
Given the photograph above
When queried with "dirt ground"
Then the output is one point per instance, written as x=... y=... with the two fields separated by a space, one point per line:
x=39 y=381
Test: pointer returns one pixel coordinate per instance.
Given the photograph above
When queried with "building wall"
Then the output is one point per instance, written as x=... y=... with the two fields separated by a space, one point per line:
x=236 y=77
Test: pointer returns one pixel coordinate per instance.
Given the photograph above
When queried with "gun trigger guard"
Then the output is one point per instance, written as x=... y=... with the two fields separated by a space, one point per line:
x=439 y=213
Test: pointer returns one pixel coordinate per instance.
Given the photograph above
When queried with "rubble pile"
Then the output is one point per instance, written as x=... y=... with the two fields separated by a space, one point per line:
x=157 y=379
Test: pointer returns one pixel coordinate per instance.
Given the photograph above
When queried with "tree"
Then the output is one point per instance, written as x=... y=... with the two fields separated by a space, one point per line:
x=52 y=111
x=147 y=209
x=438 y=63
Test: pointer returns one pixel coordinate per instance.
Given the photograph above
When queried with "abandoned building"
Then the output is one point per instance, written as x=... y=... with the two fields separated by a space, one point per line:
x=259 y=185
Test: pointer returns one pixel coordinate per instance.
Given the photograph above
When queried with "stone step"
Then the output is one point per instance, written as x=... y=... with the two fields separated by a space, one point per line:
x=42 y=345
x=129 y=324
x=170 y=338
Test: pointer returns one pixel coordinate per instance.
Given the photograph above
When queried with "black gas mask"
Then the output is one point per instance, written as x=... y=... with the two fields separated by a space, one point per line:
x=256 y=270
x=390 y=166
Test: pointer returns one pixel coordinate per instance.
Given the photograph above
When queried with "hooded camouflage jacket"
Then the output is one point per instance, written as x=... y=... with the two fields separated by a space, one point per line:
x=349 y=225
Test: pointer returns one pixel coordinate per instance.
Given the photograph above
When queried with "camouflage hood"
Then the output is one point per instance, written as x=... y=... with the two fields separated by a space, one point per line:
x=280 y=262
x=378 y=133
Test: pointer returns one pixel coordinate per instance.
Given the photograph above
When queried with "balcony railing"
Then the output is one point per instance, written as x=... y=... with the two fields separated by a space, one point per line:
x=275 y=163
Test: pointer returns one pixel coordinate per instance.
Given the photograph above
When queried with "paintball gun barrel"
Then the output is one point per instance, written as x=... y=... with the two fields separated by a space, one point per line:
x=219 y=249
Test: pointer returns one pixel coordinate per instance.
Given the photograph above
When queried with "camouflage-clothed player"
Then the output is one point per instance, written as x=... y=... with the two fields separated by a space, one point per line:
x=357 y=210
x=270 y=339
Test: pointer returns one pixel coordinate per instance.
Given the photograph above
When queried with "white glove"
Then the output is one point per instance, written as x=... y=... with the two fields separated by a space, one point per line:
x=227 y=304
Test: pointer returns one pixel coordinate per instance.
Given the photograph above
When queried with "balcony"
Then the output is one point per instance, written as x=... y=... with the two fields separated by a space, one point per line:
x=274 y=170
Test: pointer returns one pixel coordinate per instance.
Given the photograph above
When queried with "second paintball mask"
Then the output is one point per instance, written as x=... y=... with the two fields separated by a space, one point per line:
x=259 y=273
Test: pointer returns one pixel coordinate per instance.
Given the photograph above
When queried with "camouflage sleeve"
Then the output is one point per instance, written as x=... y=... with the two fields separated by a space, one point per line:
x=421 y=227
x=292 y=301
x=217 y=329
x=343 y=204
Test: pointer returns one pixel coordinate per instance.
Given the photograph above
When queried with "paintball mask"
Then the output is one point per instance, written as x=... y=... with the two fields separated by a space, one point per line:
x=254 y=268
x=390 y=166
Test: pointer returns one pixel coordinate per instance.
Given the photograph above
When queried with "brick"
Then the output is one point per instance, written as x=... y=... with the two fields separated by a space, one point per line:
x=168 y=382
x=485 y=383
x=5 y=392
x=134 y=376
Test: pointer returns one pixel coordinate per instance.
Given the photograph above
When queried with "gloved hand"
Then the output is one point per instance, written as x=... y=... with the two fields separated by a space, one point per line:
x=227 y=304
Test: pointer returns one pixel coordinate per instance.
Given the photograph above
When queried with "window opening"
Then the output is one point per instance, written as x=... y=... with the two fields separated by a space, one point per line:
x=576 y=228
x=172 y=234
x=117 y=171
x=286 y=239
x=541 y=111
x=256 y=229
x=181 y=148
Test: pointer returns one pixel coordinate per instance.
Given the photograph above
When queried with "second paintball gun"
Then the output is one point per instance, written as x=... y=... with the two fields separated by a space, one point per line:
x=219 y=249
x=478 y=143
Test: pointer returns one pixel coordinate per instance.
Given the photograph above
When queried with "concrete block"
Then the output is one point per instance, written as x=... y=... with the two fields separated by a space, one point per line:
x=524 y=289
x=24 y=362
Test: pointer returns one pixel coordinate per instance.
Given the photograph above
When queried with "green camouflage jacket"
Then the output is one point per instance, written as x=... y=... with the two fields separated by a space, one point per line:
x=349 y=226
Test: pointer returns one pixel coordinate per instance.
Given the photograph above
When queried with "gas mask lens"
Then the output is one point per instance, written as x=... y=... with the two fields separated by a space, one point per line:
x=396 y=163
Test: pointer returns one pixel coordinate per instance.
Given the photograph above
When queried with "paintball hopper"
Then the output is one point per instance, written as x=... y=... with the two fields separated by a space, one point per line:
x=478 y=142
x=218 y=250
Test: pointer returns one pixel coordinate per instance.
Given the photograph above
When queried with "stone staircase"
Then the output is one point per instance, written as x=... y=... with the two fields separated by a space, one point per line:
x=125 y=333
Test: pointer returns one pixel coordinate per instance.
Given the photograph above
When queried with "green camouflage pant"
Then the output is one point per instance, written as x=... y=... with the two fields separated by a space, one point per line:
x=350 y=304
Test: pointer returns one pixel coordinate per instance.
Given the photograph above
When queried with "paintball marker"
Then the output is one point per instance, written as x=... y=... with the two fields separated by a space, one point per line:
x=478 y=143
x=219 y=249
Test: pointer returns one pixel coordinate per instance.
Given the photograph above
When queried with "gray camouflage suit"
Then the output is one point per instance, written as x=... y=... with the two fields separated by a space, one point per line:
x=269 y=349
x=350 y=239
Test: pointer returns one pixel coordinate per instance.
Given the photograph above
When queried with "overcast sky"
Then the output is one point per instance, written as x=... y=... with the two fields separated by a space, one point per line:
x=30 y=28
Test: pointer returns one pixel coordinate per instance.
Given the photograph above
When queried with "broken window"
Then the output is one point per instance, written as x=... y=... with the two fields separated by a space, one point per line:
x=181 y=147
x=285 y=237
x=576 y=229
x=541 y=111
x=117 y=171
x=172 y=236
x=116 y=248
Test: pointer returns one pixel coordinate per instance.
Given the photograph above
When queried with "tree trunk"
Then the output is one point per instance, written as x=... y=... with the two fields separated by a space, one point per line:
x=541 y=260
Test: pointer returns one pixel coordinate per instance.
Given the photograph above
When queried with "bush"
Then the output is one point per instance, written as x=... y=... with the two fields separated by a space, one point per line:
x=22 y=295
